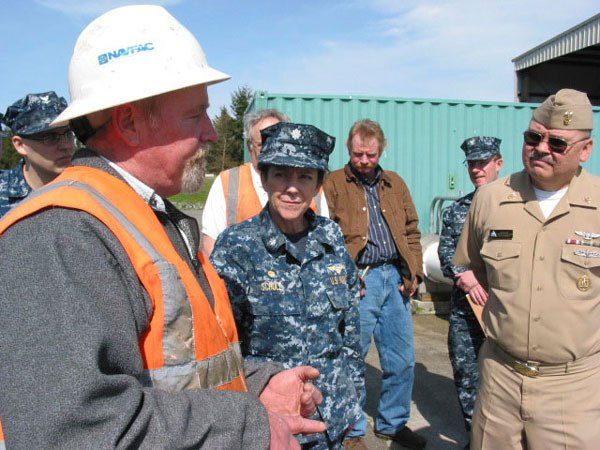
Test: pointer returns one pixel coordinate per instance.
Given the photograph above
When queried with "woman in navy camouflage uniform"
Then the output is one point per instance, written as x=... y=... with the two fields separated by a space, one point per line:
x=293 y=286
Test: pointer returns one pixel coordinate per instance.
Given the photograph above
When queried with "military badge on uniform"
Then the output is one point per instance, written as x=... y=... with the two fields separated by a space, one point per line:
x=567 y=117
x=587 y=239
x=271 y=286
x=587 y=235
x=337 y=274
x=587 y=253
x=501 y=234
x=584 y=282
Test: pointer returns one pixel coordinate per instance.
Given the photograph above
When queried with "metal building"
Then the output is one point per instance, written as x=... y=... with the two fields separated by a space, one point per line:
x=569 y=60
x=424 y=137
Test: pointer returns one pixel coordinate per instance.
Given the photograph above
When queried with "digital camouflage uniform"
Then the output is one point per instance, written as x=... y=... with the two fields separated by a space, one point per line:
x=298 y=310
x=13 y=188
x=298 y=307
x=464 y=336
x=27 y=116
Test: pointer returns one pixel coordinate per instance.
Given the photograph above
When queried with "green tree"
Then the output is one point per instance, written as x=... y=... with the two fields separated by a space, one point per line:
x=10 y=157
x=240 y=100
x=218 y=158
x=228 y=151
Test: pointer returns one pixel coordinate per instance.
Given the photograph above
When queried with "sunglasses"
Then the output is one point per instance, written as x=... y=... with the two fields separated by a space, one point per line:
x=555 y=144
x=53 y=138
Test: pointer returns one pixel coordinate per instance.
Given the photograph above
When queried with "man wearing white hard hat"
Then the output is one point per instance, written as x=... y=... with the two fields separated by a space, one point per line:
x=114 y=329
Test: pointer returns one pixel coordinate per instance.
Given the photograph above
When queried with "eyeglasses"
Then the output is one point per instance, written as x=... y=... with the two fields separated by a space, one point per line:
x=555 y=144
x=53 y=138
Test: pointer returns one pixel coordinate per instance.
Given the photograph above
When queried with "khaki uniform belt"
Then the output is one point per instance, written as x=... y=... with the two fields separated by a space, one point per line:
x=533 y=369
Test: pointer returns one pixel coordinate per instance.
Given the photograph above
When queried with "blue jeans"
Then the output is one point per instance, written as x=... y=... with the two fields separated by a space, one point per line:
x=387 y=316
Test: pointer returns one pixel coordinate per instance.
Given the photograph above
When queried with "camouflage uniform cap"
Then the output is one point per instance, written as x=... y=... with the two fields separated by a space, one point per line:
x=295 y=145
x=568 y=109
x=481 y=148
x=33 y=113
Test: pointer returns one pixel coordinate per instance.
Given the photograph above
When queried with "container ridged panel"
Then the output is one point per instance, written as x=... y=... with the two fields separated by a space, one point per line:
x=424 y=135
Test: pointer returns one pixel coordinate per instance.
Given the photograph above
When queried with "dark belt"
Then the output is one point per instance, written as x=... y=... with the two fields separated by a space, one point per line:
x=393 y=262
x=534 y=369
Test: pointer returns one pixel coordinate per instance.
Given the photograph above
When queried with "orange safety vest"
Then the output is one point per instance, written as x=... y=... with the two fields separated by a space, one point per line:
x=196 y=347
x=241 y=199
x=1 y=437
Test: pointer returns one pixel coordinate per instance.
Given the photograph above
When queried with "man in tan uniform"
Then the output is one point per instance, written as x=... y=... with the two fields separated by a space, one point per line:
x=532 y=239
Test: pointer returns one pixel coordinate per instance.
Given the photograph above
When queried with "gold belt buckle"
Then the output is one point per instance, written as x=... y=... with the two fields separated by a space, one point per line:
x=527 y=369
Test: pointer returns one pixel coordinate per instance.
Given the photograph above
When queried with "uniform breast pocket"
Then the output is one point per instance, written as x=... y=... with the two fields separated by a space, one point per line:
x=263 y=303
x=579 y=273
x=502 y=264
x=271 y=324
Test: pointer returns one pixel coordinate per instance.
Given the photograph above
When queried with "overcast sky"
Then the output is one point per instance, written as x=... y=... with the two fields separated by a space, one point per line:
x=449 y=49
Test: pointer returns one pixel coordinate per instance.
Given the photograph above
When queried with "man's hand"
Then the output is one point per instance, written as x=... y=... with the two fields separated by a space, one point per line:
x=291 y=396
x=281 y=436
x=468 y=282
x=413 y=289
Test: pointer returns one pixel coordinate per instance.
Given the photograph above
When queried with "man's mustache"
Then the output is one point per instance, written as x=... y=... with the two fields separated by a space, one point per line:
x=545 y=157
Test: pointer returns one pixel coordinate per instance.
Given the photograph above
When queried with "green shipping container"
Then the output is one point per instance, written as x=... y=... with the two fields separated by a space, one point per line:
x=424 y=137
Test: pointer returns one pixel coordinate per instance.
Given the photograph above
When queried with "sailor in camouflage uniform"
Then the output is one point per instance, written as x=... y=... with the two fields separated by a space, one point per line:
x=465 y=336
x=293 y=286
x=46 y=151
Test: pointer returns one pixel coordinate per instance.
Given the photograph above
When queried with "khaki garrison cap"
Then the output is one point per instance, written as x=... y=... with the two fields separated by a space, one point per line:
x=568 y=109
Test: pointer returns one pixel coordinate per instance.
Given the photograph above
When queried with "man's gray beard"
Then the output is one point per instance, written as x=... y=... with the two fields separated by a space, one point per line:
x=193 y=173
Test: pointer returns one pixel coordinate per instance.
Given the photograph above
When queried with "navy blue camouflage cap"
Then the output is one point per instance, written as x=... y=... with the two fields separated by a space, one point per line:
x=481 y=148
x=295 y=145
x=33 y=113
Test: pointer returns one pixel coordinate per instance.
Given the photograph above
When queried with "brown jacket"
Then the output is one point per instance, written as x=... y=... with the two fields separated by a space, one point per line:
x=347 y=203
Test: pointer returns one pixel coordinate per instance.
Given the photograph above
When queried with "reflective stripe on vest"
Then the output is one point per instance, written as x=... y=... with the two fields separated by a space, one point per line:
x=2 y=447
x=241 y=199
x=187 y=344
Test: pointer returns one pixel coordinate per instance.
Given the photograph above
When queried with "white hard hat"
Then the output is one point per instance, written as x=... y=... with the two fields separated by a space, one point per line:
x=131 y=53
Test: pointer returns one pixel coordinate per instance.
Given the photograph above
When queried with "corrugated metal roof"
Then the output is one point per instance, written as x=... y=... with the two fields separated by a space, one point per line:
x=586 y=34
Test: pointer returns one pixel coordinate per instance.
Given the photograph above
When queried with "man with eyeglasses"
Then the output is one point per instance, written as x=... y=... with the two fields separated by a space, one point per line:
x=465 y=337
x=532 y=241
x=45 y=150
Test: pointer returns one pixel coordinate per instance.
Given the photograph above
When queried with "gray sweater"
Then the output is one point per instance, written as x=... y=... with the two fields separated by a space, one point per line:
x=71 y=315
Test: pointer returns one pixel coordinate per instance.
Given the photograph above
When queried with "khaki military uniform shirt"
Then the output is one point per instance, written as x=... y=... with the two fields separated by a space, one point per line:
x=544 y=293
